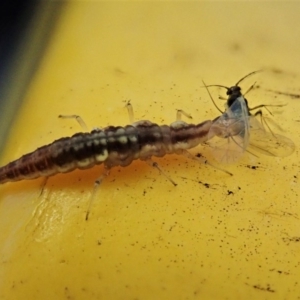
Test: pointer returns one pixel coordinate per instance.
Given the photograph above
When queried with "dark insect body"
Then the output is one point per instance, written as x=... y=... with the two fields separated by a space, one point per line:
x=237 y=130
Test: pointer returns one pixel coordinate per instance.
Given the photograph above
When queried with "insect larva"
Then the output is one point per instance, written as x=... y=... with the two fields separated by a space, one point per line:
x=237 y=130
x=112 y=146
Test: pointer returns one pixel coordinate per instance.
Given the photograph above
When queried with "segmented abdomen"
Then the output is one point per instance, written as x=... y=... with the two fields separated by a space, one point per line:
x=112 y=146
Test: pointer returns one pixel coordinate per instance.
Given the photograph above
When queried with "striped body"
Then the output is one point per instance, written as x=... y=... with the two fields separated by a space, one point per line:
x=112 y=146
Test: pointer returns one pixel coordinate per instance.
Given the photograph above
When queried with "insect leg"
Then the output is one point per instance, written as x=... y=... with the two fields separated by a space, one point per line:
x=263 y=121
x=130 y=112
x=43 y=186
x=201 y=159
x=96 y=186
x=181 y=112
x=155 y=165
x=77 y=118
x=265 y=106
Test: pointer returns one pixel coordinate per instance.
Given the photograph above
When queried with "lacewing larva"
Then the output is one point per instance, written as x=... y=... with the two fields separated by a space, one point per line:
x=111 y=146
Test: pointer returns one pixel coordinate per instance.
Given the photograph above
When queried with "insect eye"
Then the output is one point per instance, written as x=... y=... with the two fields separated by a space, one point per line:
x=229 y=92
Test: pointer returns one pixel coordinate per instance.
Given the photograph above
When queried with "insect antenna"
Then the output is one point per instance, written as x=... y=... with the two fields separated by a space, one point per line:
x=206 y=86
x=254 y=72
x=250 y=88
x=222 y=86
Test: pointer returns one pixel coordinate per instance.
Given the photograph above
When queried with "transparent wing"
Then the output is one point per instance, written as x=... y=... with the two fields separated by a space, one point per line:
x=268 y=143
x=229 y=134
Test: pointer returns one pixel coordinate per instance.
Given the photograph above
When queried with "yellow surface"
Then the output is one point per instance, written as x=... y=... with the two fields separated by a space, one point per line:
x=234 y=238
